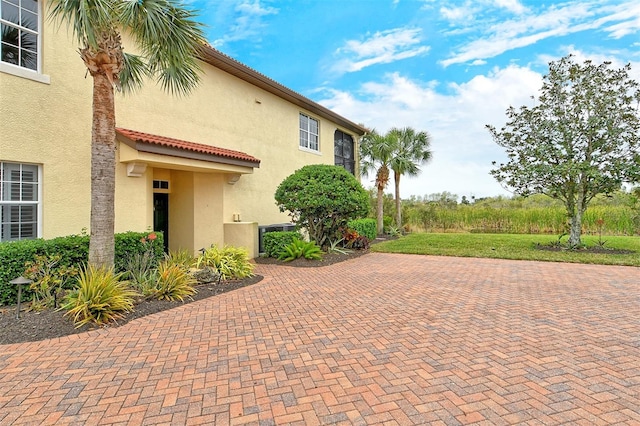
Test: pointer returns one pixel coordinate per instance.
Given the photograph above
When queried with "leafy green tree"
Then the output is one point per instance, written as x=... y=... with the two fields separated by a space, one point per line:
x=376 y=153
x=322 y=199
x=580 y=140
x=411 y=150
x=169 y=40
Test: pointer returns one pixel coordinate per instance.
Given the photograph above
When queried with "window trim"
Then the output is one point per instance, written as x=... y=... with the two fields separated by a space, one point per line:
x=27 y=73
x=307 y=148
x=37 y=203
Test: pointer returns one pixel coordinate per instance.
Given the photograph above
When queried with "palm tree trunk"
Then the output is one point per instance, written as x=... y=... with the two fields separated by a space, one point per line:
x=103 y=171
x=396 y=178
x=379 y=212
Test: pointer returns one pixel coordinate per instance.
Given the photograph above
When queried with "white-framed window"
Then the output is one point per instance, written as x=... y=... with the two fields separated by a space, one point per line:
x=309 y=133
x=20 y=38
x=19 y=201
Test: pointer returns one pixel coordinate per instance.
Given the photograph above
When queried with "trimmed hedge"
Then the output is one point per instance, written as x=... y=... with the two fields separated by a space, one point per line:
x=74 y=250
x=274 y=242
x=365 y=227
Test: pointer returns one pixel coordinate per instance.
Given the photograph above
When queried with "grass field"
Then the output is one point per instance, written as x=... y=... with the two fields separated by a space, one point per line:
x=512 y=246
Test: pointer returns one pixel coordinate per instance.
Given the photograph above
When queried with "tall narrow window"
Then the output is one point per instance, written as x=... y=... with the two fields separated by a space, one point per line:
x=343 y=151
x=19 y=28
x=19 y=201
x=309 y=133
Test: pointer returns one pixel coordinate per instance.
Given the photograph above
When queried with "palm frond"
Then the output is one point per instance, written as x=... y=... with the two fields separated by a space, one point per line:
x=170 y=39
x=133 y=73
x=87 y=19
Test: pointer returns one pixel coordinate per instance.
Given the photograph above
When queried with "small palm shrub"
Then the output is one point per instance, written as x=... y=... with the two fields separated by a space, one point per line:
x=298 y=248
x=230 y=262
x=173 y=282
x=100 y=297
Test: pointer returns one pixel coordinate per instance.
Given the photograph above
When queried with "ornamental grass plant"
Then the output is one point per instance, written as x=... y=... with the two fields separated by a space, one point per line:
x=101 y=297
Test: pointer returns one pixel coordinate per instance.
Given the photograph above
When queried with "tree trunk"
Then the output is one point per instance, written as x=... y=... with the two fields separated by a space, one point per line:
x=379 y=212
x=103 y=171
x=578 y=207
x=576 y=230
x=396 y=178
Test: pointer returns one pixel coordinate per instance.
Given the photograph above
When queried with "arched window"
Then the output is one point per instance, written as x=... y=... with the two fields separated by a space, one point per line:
x=343 y=151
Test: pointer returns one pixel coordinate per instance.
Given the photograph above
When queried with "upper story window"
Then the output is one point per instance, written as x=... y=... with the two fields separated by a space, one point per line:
x=343 y=150
x=19 y=201
x=309 y=133
x=19 y=29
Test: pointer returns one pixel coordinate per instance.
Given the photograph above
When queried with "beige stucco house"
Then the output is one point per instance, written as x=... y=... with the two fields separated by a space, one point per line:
x=203 y=168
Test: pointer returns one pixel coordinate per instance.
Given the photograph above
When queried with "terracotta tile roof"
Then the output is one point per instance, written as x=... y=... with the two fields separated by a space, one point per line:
x=148 y=138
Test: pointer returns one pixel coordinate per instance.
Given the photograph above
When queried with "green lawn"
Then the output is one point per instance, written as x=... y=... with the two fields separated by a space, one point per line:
x=509 y=246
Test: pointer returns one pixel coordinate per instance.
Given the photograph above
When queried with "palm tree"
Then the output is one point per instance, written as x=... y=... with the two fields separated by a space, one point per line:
x=169 y=40
x=376 y=153
x=412 y=150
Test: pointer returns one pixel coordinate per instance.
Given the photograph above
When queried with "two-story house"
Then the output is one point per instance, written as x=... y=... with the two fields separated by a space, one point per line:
x=201 y=168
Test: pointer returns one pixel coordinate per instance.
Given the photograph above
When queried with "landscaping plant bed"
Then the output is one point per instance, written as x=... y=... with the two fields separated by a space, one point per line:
x=48 y=324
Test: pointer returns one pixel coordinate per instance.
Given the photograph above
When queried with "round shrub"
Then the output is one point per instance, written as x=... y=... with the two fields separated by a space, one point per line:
x=322 y=199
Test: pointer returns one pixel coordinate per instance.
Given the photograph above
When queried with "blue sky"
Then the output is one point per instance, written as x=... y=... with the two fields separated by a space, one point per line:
x=446 y=67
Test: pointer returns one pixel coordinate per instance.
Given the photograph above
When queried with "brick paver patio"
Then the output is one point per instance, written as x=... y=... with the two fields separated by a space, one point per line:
x=382 y=339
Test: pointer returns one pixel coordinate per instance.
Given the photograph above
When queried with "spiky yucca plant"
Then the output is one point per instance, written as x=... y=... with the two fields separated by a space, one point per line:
x=174 y=282
x=230 y=262
x=100 y=297
x=180 y=257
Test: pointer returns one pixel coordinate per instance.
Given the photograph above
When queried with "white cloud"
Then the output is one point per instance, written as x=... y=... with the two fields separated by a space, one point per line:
x=530 y=28
x=513 y=6
x=380 y=48
x=463 y=149
x=628 y=17
x=247 y=18
x=456 y=14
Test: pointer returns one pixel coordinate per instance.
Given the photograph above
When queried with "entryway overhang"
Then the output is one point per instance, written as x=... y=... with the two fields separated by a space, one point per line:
x=139 y=150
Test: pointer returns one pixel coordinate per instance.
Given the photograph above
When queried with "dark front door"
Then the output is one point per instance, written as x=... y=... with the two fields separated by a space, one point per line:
x=161 y=217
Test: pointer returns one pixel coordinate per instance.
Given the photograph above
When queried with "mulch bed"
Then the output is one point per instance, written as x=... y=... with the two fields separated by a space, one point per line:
x=48 y=324
x=594 y=249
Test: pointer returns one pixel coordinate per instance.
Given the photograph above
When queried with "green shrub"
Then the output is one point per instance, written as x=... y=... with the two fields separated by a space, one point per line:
x=230 y=262
x=275 y=242
x=298 y=248
x=73 y=251
x=173 y=282
x=100 y=297
x=387 y=221
x=322 y=199
x=365 y=227
x=130 y=243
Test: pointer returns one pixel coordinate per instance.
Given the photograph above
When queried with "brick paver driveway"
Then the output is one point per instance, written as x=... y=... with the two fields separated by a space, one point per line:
x=391 y=339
